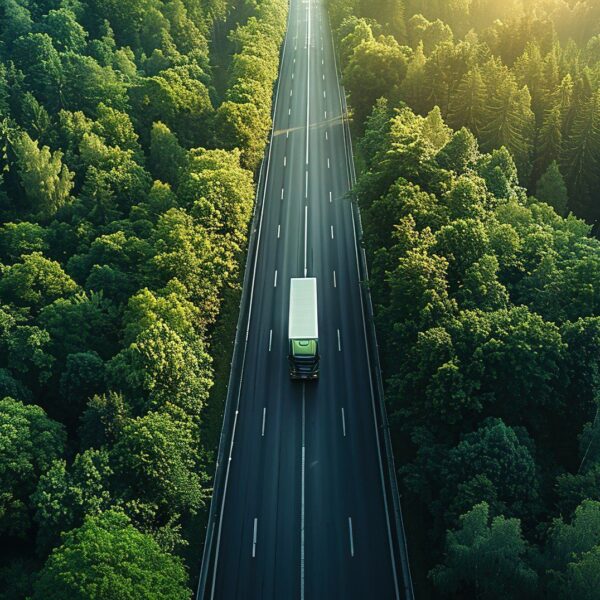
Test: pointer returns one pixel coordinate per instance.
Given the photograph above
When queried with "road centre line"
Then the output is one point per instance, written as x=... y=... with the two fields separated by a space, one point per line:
x=351 y=536
x=305 y=237
x=307 y=81
x=264 y=419
x=306 y=184
x=254 y=538
x=343 y=422
x=302 y=492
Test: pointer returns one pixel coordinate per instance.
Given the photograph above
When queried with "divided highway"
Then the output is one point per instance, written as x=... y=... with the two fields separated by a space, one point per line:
x=303 y=513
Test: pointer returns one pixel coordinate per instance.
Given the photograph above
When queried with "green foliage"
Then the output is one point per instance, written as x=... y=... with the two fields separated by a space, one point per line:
x=552 y=190
x=485 y=559
x=156 y=460
x=376 y=68
x=35 y=282
x=64 y=496
x=487 y=314
x=128 y=149
x=108 y=558
x=30 y=441
x=519 y=74
x=47 y=182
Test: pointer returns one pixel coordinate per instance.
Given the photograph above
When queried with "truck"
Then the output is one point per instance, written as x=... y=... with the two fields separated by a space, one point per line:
x=303 y=329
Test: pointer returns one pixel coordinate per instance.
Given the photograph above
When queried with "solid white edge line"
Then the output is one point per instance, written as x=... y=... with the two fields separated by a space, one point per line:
x=262 y=212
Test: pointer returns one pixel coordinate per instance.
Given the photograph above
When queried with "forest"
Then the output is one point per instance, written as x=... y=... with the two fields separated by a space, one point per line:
x=130 y=134
x=477 y=132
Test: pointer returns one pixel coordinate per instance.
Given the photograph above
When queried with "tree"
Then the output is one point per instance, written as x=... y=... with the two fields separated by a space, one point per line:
x=21 y=238
x=66 y=33
x=460 y=153
x=495 y=464
x=82 y=378
x=64 y=496
x=377 y=67
x=581 y=159
x=161 y=368
x=485 y=560
x=39 y=60
x=509 y=122
x=30 y=441
x=107 y=558
x=88 y=84
x=468 y=103
x=46 y=180
x=552 y=190
x=35 y=282
x=167 y=158
x=155 y=459
x=81 y=323
x=219 y=192
x=178 y=98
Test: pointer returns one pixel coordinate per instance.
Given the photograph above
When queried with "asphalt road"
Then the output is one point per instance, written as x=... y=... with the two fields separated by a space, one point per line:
x=304 y=514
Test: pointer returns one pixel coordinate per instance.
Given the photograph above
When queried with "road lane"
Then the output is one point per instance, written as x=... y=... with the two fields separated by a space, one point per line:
x=305 y=454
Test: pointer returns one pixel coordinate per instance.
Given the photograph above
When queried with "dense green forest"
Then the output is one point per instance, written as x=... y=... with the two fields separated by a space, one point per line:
x=130 y=135
x=478 y=130
x=523 y=74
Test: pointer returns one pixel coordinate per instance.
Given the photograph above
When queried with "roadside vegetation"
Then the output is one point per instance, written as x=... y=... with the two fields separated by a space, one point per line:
x=477 y=124
x=126 y=193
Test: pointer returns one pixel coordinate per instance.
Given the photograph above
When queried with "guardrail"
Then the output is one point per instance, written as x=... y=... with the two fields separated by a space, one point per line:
x=386 y=450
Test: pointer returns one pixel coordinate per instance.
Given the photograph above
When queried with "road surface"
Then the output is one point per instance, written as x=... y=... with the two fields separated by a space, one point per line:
x=303 y=514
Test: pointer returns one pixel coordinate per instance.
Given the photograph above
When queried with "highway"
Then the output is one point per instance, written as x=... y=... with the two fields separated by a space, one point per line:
x=303 y=514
